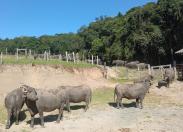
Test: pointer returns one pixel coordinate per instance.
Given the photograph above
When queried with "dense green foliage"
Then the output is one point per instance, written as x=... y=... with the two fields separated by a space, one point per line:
x=145 y=33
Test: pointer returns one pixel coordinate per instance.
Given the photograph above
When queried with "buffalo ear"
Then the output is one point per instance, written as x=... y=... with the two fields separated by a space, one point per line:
x=24 y=90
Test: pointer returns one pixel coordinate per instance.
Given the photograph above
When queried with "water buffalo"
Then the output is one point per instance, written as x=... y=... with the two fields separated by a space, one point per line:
x=76 y=94
x=48 y=100
x=142 y=66
x=14 y=102
x=131 y=91
x=169 y=75
x=132 y=64
x=162 y=83
x=118 y=62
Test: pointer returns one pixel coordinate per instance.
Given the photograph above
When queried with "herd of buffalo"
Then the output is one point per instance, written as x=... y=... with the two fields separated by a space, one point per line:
x=40 y=100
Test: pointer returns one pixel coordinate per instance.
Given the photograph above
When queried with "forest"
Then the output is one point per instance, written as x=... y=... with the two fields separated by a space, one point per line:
x=150 y=33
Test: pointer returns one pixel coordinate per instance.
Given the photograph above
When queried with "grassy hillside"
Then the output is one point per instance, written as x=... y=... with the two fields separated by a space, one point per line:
x=10 y=59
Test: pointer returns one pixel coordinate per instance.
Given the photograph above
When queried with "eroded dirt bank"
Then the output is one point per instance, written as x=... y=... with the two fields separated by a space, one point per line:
x=47 y=77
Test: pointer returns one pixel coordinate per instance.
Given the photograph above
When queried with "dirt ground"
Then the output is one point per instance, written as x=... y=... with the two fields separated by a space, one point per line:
x=163 y=108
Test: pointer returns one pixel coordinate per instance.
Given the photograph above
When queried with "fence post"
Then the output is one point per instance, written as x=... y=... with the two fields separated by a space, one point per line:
x=49 y=52
x=44 y=55
x=138 y=67
x=66 y=56
x=1 y=58
x=6 y=51
x=175 y=71
x=97 y=59
x=60 y=57
x=92 y=59
x=73 y=57
x=161 y=71
x=77 y=57
x=17 y=54
x=26 y=52
x=47 y=56
x=149 y=69
x=30 y=53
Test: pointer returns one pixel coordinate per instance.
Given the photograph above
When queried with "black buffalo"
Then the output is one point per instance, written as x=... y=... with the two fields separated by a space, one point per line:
x=77 y=94
x=131 y=91
x=14 y=102
x=48 y=100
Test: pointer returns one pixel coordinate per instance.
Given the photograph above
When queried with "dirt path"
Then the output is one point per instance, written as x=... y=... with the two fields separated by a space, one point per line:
x=110 y=119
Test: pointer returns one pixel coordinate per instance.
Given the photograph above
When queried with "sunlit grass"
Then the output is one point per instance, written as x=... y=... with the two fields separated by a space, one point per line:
x=23 y=60
x=3 y=114
x=102 y=96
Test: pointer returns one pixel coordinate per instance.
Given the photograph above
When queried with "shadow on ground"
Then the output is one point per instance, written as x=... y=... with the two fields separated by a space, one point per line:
x=22 y=117
x=52 y=118
x=127 y=105
x=76 y=107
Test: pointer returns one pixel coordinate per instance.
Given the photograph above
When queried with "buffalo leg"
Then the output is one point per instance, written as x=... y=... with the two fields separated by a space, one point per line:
x=87 y=104
x=121 y=104
x=141 y=103
x=41 y=118
x=168 y=85
x=32 y=121
x=137 y=103
x=118 y=100
x=17 y=117
x=60 y=115
x=61 y=111
x=8 y=119
x=68 y=106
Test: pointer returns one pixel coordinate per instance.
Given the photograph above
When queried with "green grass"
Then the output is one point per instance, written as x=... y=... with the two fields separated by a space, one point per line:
x=23 y=60
x=120 y=80
x=102 y=96
x=105 y=96
x=3 y=114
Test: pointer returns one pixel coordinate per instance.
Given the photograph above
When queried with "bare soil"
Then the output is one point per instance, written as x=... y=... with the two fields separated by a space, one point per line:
x=163 y=108
x=47 y=77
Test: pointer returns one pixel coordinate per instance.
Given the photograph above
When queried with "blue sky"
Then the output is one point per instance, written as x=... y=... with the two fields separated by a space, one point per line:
x=40 y=17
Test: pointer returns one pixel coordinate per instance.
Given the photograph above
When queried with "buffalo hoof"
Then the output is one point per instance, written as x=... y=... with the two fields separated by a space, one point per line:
x=140 y=107
x=43 y=126
x=17 y=123
x=32 y=126
x=137 y=106
x=58 y=121
x=7 y=127
x=117 y=107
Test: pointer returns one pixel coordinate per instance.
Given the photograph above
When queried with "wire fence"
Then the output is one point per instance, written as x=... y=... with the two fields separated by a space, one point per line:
x=67 y=56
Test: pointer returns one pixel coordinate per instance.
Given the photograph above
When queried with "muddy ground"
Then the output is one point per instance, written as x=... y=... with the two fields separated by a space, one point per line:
x=163 y=108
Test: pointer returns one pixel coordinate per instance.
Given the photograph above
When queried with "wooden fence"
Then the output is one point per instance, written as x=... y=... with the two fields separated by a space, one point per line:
x=160 y=68
x=67 y=56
